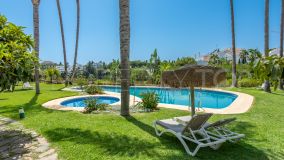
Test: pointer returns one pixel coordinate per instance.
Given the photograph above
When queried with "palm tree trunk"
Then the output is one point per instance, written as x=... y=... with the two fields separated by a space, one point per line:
x=63 y=42
x=36 y=38
x=77 y=40
x=234 y=65
x=124 y=55
x=281 y=39
x=266 y=41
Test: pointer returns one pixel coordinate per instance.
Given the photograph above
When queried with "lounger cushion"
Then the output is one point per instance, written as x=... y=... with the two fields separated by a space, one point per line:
x=171 y=124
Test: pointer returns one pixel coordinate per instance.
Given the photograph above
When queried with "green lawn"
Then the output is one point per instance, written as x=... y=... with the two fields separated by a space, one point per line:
x=110 y=136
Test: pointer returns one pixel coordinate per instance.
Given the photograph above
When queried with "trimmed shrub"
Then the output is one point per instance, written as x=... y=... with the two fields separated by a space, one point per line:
x=245 y=82
x=92 y=89
x=93 y=105
x=150 y=101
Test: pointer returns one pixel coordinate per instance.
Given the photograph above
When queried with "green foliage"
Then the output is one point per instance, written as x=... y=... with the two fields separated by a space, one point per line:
x=52 y=73
x=77 y=136
x=104 y=82
x=93 y=89
x=16 y=60
x=150 y=101
x=114 y=68
x=167 y=65
x=93 y=105
x=253 y=55
x=270 y=68
x=91 y=78
x=154 y=67
x=139 y=74
x=184 y=61
x=246 y=82
x=138 y=64
x=90 y=69
x=214 y=59
x=243 y=56
x=228 y=82
x=81 y=82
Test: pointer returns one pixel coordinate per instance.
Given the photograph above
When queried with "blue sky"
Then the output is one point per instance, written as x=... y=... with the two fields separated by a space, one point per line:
x=176 y=28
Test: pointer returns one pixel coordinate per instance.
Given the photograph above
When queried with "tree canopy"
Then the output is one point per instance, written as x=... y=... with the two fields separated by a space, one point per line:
x=16 y=59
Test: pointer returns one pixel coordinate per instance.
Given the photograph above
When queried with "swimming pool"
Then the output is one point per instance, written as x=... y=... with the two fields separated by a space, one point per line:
x=203 y=98
x=80 y=102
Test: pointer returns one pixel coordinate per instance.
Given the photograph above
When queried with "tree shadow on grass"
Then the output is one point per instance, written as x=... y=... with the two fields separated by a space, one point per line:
x=12 y=144
x=166 y=147
x=241 y=126
x=278 y=94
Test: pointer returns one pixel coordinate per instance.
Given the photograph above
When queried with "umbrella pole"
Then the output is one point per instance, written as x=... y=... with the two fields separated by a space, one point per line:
x=192 y=100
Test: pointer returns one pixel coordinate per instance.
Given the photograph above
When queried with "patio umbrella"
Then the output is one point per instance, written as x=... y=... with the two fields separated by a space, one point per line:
x=193 y=76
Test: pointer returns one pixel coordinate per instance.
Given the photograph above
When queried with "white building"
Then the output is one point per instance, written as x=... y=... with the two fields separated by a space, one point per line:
x=225 y=53
x=61 y=69
x=275 y=51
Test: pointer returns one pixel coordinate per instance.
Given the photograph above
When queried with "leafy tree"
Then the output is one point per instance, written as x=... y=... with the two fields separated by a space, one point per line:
x=16 y=60
x=114 y=70
x=244 y=56
x=139 y=74
x=52 y=73
x=270 y=68
x=81 y=82
x=89 y=68
x=167 y=65
x=184 y=61
x=214 y=59
x=138 y=64
x=154 y=67
x=253 y=55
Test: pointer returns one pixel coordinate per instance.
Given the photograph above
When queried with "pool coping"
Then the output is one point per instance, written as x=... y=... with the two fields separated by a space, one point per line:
x=241 y=104
x=56 y=103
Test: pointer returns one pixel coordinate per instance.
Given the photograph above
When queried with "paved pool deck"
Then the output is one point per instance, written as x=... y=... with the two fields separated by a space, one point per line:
x=56 y=103
x=17 y=142
x=241 y=104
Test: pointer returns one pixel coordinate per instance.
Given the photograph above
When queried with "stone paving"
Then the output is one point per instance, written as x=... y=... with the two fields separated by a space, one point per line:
x=16 y=142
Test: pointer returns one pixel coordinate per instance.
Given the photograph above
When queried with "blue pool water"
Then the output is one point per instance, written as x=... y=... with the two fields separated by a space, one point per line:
x=79 y=102
x=203 y=98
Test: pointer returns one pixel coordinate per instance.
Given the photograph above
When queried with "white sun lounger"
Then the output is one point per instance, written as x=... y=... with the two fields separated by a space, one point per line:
x=27 y=85
x=216 y=129
x=191 y=132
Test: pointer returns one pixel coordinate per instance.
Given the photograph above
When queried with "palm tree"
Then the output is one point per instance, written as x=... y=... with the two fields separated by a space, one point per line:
x=243 y=56
x=124 y=55
x=63 y=42
x=36 y=37
x=281 y=38
x=266 y=41
x=77 y=40
x=234 y=65
x=253 y=55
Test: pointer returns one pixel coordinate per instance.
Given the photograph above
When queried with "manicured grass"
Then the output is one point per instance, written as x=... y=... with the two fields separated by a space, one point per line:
x=110 y=136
